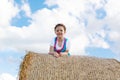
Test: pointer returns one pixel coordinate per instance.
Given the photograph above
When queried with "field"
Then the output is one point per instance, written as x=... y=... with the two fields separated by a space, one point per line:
x=36 y=66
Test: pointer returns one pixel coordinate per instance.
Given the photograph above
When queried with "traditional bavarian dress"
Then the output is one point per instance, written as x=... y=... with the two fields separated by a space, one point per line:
x=63 y=49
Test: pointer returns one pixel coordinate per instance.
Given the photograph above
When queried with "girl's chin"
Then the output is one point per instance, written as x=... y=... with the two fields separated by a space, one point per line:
x=59 y=36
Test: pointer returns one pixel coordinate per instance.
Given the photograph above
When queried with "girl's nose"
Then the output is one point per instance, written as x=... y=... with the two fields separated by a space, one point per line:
x=58 y=31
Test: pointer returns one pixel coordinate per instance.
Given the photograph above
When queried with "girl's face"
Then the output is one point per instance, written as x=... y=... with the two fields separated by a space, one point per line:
x=59 y=31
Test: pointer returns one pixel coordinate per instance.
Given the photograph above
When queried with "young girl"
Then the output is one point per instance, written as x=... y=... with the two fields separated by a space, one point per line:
x=59 y=45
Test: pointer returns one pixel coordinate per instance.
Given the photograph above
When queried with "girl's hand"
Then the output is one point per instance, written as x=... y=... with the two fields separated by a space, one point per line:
x=51 y=53
x=56 y=54
x=60 y=55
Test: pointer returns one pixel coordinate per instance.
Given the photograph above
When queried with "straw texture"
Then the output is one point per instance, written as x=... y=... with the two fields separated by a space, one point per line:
x=37 y=66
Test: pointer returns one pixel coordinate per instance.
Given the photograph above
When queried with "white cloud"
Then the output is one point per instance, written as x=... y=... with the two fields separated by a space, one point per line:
x=7 y=76
x=112 y=8
x=113 y=18
x=114 y=36
x=72 y=13
x=50 y=2
x=37 y=35
x=26 y=8
x=7 y=11
x=78 y=45
x=99 y=42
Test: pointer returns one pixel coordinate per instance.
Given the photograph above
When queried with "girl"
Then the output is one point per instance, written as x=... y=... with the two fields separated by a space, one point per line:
x=59 y=45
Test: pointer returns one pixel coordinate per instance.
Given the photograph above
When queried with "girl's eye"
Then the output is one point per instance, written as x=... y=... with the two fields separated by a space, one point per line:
x=57 y=30
x=60 y=30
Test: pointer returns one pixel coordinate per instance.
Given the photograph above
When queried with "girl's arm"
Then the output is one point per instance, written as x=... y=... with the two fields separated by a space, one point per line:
x=64 y=53
x=52 y=52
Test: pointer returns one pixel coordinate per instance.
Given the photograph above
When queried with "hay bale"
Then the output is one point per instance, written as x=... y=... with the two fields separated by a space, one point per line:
x=46 y=67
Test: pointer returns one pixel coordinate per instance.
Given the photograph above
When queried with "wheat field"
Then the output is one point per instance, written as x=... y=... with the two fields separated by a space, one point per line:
x=36 y=66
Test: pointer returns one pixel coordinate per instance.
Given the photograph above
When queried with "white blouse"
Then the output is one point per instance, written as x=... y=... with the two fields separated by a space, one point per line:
x=59 y=47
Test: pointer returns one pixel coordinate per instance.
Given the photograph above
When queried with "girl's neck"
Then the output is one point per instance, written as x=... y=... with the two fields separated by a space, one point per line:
x=60 y=39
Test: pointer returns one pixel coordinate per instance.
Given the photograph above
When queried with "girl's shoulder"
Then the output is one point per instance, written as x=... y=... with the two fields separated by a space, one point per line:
x=67 y=39
x=55 y=38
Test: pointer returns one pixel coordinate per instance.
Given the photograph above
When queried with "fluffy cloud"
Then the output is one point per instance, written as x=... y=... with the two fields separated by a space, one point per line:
x=113 y=18
x=7 y=11
x=26 y=8
x=7 y=76
x=80 y=17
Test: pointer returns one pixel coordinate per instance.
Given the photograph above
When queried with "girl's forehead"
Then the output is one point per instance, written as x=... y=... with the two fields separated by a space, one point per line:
x=59 y=27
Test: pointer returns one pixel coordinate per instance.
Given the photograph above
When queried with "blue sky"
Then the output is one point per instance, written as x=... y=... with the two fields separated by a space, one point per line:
x=27 y=25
